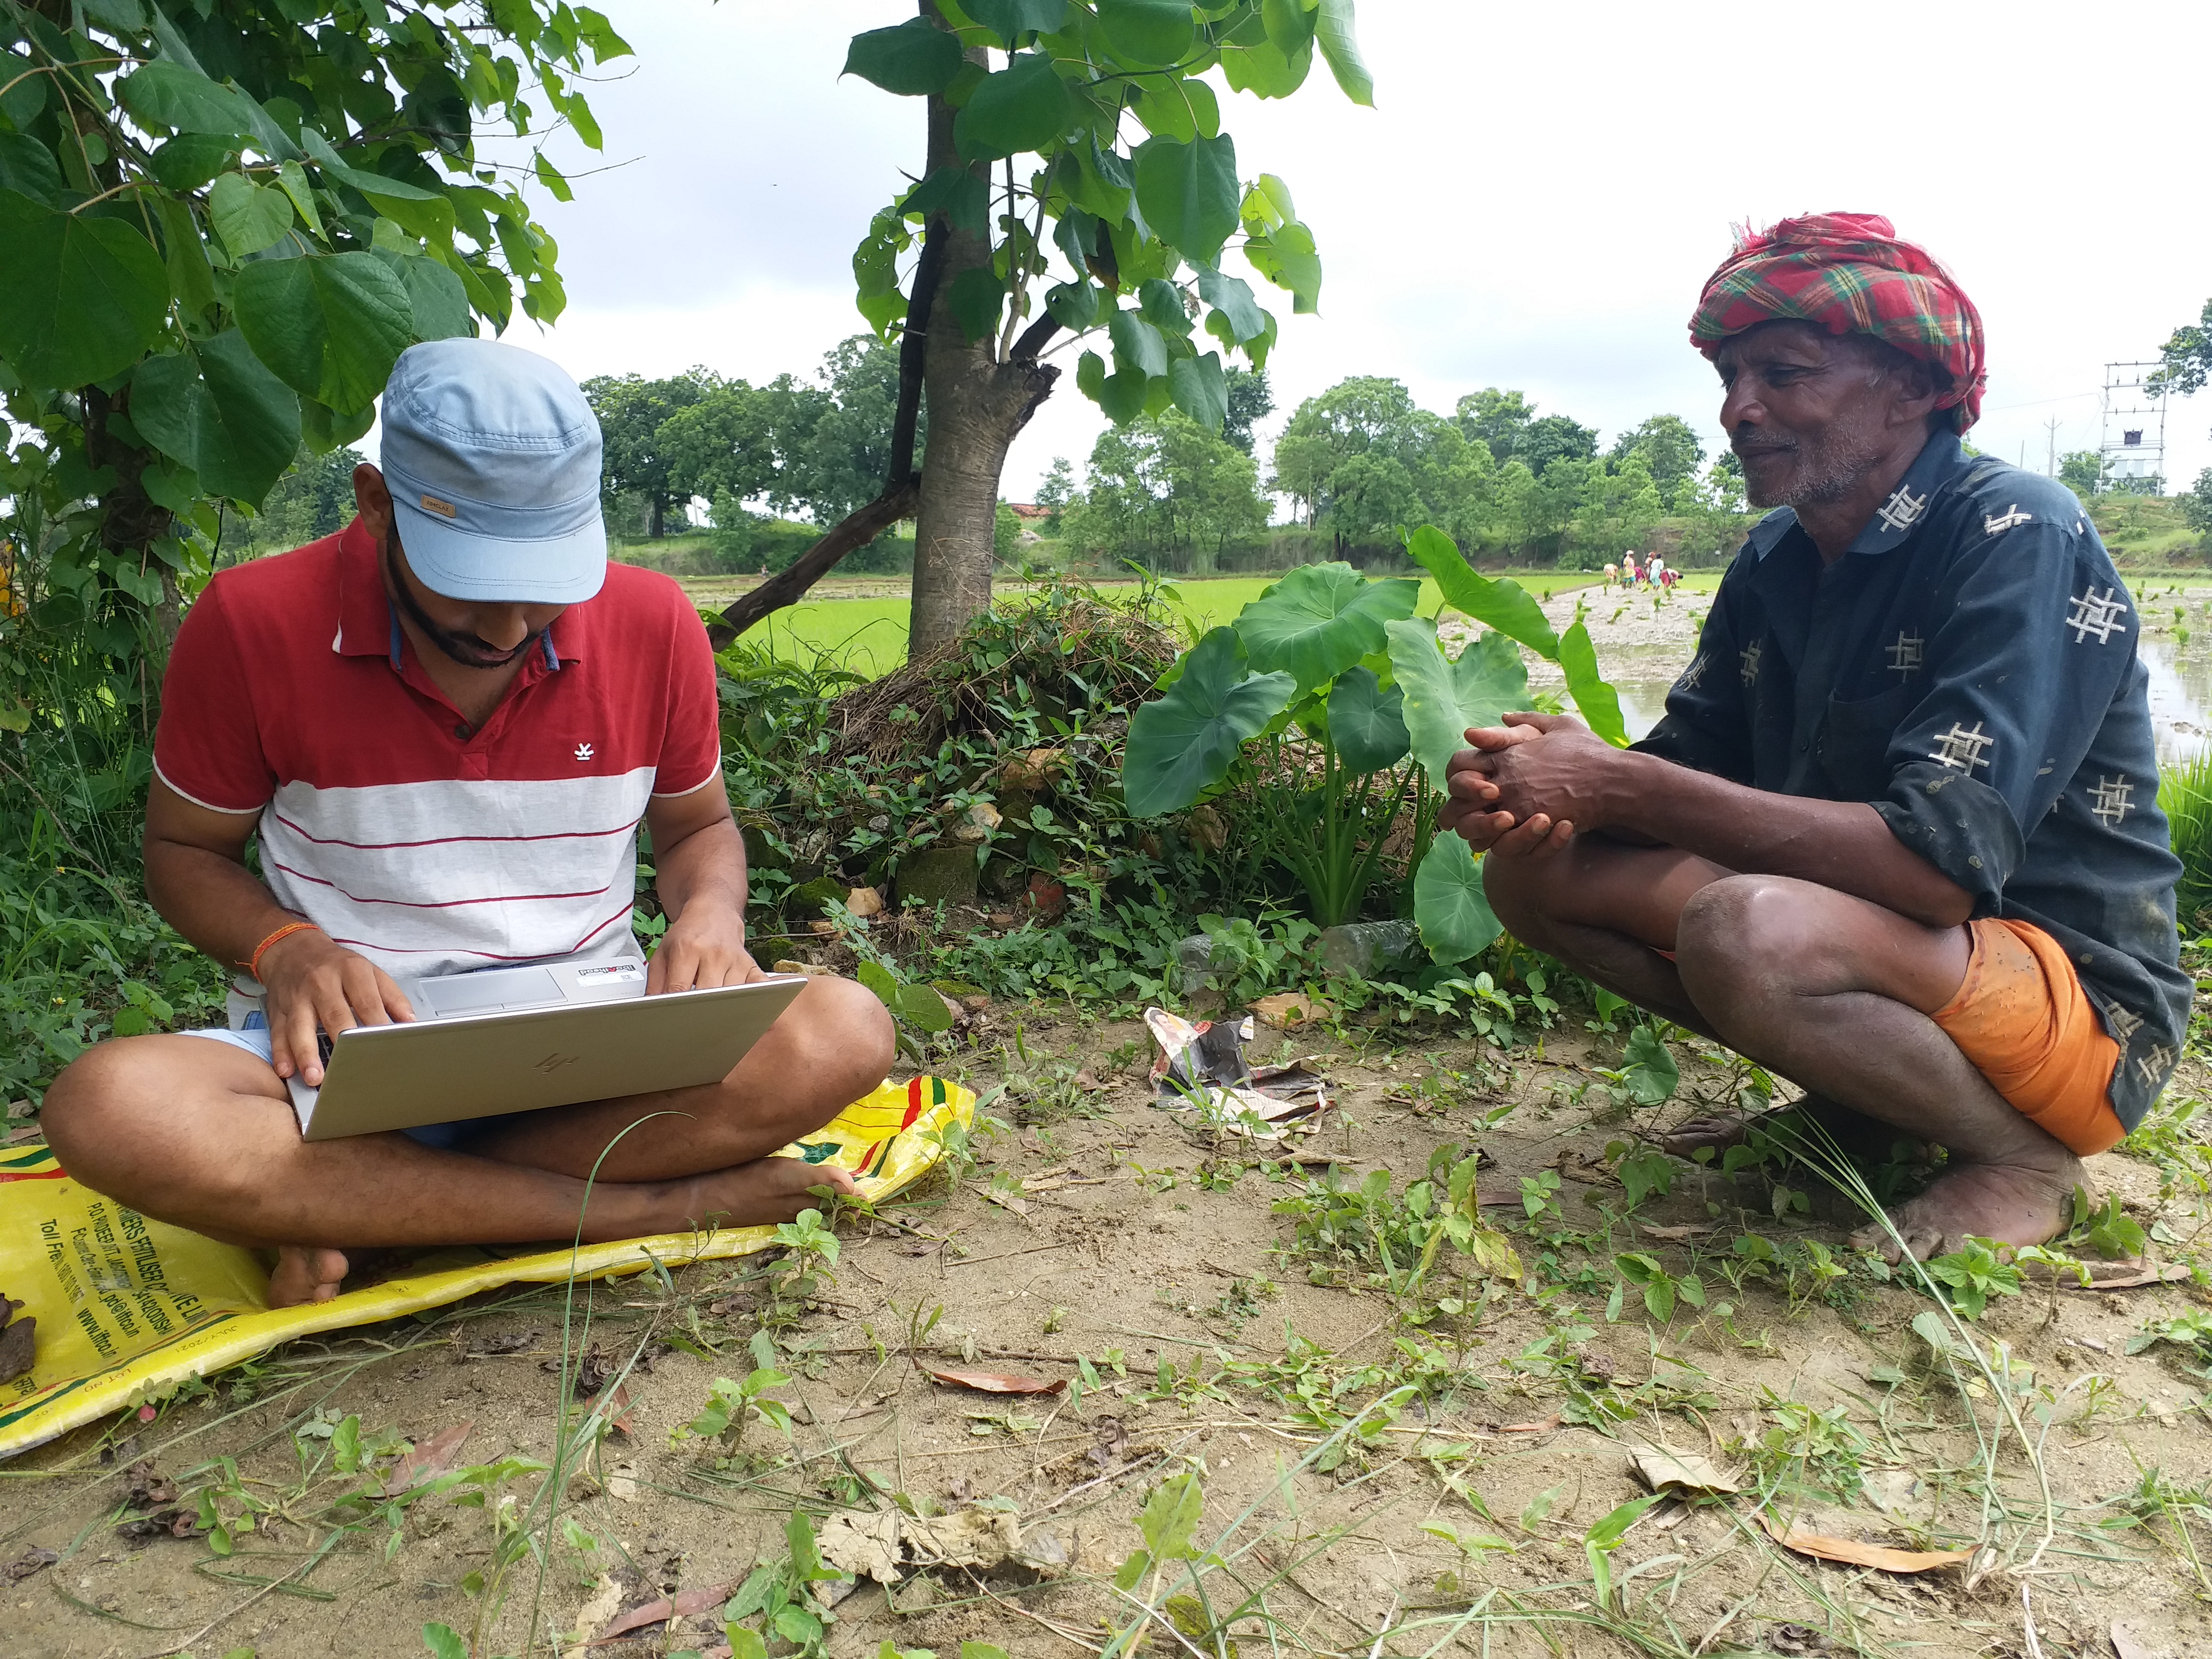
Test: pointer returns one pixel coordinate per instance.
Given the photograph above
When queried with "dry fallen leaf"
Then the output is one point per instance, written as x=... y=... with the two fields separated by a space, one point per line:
x=1664 y=1470
x=603 y=1603
x=2128 y=1645
x=996 y=1383
x=2172 y=1273
x=614 y=1407
x=1848 y=1551
x=682 y=1605
x=439 y=1455
x=865 y=902
x=1290 y=1009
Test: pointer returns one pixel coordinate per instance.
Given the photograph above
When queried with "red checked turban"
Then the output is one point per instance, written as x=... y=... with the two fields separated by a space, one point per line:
x=1849 y=273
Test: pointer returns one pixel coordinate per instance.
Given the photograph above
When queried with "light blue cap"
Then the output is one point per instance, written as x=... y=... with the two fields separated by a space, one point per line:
x=492 y=457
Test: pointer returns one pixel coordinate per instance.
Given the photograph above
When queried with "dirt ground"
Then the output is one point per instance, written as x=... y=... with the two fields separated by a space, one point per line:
x=1151 y=1264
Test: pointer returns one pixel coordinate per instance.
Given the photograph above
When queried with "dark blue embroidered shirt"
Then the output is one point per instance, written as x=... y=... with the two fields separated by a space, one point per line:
x=1969 y=668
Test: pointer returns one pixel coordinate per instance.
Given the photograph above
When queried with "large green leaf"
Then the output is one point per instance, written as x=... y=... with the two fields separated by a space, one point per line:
x=1188 y=193
x=1137 y=344
x=1599 y=702
x=975 y=297
x=1024 y=106
x=249 y=217
x=80 y=296
x=1449 y=906
x=1366 y=724
x=1202 y=390
x=1148 y=31
x=434 y=294
x=1010 y=19
x=1286 y=256
x=1442 y=698
x=224 y=416
x=29 y=167
x=1498 y=603
x=190 y=158
x=913 y=58
x=1232 y=297
x=1183 y=743
x=1321 y=619
x=1342 y=51
x=331 y=327
x=166 y=95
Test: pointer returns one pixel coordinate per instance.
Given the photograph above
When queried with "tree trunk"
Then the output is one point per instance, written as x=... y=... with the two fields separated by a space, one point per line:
x=660 y=510
x=977 y=406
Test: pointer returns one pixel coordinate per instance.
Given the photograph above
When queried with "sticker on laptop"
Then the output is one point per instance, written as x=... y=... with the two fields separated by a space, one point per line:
x=612 y=973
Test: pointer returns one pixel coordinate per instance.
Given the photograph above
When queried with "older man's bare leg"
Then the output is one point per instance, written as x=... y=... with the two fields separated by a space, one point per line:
x=203 y=1134
x=1826 y=989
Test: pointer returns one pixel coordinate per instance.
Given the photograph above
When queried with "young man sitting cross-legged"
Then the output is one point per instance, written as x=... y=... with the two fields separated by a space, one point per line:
x=1897 y=838
x=444 y=724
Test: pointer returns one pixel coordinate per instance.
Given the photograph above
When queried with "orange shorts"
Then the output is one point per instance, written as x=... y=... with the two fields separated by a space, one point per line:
x=2022 y=1018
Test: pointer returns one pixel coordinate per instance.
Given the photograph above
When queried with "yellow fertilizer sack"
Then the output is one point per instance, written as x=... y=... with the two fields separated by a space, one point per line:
x=128 y=1308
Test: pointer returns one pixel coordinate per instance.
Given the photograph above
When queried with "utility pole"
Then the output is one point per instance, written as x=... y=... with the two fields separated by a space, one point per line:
x=2050 y=463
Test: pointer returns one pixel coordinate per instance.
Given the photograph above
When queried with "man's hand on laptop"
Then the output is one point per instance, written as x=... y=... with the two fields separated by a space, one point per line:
x=703 y=948
x=311 y=981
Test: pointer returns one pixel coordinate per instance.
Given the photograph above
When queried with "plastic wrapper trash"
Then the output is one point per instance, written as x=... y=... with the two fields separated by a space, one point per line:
x=1202 y=1074
x=128 y=1308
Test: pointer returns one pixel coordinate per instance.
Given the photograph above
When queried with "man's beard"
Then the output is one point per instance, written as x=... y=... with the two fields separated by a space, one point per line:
x=1826 y=469
x=466 y=649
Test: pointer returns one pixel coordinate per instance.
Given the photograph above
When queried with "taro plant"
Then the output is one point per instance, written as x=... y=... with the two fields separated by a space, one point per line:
x=1339 y=707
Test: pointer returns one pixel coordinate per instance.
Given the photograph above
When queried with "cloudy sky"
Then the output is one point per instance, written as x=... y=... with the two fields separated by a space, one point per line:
x=1533 y=202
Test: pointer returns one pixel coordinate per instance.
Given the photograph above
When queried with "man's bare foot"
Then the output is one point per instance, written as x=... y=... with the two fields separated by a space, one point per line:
x=305 y=1273
x=1859 y=1135
x=2013 y=1204
x=758 y=1193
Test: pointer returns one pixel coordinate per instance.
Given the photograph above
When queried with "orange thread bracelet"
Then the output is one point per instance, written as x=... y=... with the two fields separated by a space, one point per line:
x=253 y=963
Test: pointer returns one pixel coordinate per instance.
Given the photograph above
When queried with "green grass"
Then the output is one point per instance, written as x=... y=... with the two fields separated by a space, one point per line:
x=868 y=635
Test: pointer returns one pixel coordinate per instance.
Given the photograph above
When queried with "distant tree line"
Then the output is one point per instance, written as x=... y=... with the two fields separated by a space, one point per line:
x=815 y=449
x=1362 y=460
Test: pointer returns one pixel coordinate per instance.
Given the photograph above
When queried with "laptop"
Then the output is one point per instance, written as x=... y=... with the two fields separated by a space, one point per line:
x=518 y=1039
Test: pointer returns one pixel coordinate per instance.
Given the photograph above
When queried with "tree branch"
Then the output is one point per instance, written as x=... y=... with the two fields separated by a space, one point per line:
x=856 y=529
x=1033 y=338
x=902 y=490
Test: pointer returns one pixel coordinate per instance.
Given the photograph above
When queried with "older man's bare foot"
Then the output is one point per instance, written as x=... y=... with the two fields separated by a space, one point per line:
x=758 y=1193
x=305 y=1273
x=1859 y=1135
x=2011 y=1203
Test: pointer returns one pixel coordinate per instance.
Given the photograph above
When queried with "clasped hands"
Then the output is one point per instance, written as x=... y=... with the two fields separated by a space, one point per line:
x=1526 y=784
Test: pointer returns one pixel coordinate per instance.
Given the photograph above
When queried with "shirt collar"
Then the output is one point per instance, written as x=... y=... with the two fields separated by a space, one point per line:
x=1940 y=459
x=369 y=624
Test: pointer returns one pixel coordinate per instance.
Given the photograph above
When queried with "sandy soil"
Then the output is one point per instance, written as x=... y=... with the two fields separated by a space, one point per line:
x=1110 y=1230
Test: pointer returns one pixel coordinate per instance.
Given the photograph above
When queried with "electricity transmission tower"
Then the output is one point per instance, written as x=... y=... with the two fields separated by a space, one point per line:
x=2132 y=446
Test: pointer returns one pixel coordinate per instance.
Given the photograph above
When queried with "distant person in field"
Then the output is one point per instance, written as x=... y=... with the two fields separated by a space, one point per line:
x=1897 y=838
x=442 y=726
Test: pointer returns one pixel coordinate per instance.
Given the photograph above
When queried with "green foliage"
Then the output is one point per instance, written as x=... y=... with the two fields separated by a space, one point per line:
x=2185 y=795
x=222 y=252
x=1661 y=1289
x=1162 y=489
x=1455 y=920
x=1183 y=744
x=1446 y=696
x=1973 y=1273
x=2188 y=356
x=1122 y=217
x=2191 y=1328
x=1320 y=620
x=2107 y=1228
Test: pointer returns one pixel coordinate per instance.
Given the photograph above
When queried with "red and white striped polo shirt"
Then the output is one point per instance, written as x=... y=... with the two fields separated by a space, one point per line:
x=428 y=847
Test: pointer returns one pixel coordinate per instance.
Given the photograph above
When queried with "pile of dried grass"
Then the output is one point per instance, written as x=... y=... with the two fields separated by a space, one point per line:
x=1074 y=651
